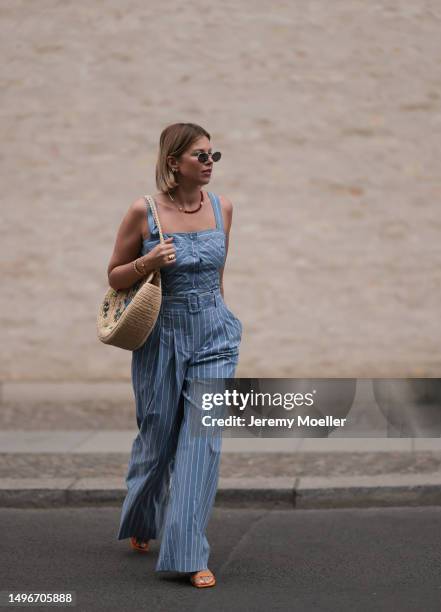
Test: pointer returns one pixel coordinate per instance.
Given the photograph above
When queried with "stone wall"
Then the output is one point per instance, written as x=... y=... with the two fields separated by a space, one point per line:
x=328 y=117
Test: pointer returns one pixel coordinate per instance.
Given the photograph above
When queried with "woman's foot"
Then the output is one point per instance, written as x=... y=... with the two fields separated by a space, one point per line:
x=202 y=578
x=138 y=544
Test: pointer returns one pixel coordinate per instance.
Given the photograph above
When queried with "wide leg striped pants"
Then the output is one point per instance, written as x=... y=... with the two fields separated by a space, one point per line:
x=173 y=474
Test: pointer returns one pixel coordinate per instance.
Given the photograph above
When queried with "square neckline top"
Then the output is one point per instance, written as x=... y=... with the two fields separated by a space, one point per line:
x=217 y=216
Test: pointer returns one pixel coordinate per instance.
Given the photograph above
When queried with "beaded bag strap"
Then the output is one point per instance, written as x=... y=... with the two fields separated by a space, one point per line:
x=150 y=201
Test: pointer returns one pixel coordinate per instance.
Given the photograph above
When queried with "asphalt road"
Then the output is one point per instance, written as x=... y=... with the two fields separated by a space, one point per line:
x=368 y=559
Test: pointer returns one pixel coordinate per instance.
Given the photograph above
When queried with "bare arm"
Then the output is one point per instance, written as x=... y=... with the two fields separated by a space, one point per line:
x=227 y=214
x=120 y=271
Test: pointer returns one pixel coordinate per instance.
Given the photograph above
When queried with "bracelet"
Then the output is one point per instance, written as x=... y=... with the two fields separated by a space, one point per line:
x=136 y=268
x=142 y=265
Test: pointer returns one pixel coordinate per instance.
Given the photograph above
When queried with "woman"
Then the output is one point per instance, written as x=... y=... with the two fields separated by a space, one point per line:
x=195 y=337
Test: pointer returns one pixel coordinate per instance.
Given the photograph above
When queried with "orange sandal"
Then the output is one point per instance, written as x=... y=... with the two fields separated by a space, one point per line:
x=197 y=579
x=138 y=544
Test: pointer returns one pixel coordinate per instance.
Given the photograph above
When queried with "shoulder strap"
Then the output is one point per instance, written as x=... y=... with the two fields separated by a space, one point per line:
x=152 y=206
x=217 y=210
x=150 y=218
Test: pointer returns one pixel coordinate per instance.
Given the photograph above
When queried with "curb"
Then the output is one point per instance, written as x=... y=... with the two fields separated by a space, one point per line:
x=303 y=493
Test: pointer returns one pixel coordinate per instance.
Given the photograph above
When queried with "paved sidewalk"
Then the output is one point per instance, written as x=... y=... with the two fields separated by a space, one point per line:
x=84 y=441
x=51 y=468
x=69 y=444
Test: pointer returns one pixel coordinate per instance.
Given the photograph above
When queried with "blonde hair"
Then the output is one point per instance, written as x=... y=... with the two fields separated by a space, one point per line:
x=175 y=140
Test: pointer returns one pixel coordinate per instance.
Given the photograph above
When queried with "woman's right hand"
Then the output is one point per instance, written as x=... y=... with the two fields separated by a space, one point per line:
x=159 y=255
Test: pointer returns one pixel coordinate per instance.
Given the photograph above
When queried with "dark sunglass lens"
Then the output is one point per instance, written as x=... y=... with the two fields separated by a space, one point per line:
x=216 y=156
x=203 y=157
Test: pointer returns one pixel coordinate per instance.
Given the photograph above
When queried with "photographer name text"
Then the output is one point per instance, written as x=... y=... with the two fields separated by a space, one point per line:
x=306 y=421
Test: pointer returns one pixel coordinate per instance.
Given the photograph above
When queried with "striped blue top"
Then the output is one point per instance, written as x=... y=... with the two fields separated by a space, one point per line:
x=199 y=255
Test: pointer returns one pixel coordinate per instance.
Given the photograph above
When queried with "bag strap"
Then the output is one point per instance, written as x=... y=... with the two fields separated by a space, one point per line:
x=150 y=201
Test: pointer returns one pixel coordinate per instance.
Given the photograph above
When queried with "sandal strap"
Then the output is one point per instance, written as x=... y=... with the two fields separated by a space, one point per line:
x=139 y=542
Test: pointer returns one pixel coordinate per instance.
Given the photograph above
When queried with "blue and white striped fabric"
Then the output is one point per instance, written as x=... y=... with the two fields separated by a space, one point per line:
x=173 y=475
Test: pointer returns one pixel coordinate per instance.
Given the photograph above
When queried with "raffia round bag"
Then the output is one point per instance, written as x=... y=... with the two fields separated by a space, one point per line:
x=126 y=317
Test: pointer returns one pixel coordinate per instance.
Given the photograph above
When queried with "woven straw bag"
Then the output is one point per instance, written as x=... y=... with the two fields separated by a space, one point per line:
x=126 y=317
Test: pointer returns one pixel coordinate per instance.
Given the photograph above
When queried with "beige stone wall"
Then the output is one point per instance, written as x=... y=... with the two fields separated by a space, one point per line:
x=328 y=116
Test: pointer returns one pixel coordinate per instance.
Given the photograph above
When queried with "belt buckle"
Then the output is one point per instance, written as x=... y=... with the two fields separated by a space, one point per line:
x=193 y=302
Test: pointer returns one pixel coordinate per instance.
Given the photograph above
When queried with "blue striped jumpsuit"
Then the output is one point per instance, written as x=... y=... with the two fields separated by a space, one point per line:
x=173 y=475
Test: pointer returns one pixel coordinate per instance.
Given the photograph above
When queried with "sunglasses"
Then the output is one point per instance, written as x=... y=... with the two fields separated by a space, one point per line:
x=203 y=157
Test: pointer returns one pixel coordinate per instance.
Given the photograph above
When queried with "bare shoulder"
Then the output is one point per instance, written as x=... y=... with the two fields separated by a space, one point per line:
x=136 y=214
x=133 y=221
x=226 y=204
x=138 y=206
x=227 y=212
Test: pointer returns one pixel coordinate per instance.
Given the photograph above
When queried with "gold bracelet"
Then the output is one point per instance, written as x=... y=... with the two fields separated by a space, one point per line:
x=142 y=265
x=136 y=268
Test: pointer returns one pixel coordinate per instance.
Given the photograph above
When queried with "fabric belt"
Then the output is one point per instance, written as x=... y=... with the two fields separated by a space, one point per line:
x=192 y=301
